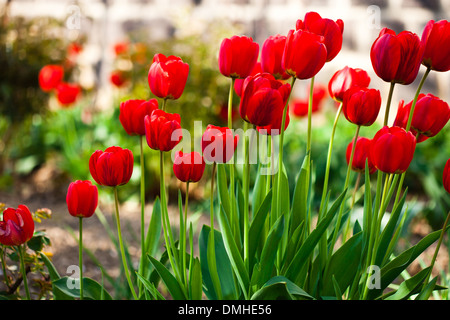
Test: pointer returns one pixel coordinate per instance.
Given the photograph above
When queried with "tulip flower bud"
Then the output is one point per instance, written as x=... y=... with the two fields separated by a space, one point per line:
x=436 y=39
x=82 y=198
x=431 y=114
x=50 y=76
x=167 y=76
x=218 y=144
x=263 y=99
x=162 y=130
x=397 y=58
x=17 y=226
x=361 y=105
x=304 y=54
x=188 y=167
x=392 y=149
x=67 y=93
x=271 y=56
x=112 y=167
x=133 y=112
x=345 y=79
x=360 y=155
x=238 y=56
x=330 y=30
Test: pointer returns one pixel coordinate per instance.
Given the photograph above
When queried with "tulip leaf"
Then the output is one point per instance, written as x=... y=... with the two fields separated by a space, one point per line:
x=222 y=188
x=92 y=290
x=300 y=198
x=169 y=280
x=257 y=226
x=54 y=276
x=195 y=281
x=395 y=267
x=281 y=288
x=342 y=266
x=150 y=287
x=224 y=268
x=259 y=190
x=233 y=253
x=301 y=257
x=409 y=287
x=269 y=252
x=153 y=234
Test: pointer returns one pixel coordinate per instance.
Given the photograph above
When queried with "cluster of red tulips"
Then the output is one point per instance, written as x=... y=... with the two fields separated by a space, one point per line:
x=264 y=93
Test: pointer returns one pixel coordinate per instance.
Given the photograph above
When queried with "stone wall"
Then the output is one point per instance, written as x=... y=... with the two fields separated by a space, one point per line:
x=108 y=21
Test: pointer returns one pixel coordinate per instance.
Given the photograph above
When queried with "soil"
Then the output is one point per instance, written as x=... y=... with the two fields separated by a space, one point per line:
x=36 y=192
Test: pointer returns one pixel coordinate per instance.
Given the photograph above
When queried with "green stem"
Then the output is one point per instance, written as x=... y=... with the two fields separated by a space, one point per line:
x=433 y=260
x=280 y=154
x=183 y=237
x=416 y=97
x=22 y=249
x=167 y=231
x=212 y=265
x=232 y=166
x=164 y=104
x=2 y=256
x=80 y=255
x=347 y=179
x=143 y=249
x=388 y=104
x=327 y=169
x=122 y=250
x=310 y=103
x=246 y=182
x=347 y=227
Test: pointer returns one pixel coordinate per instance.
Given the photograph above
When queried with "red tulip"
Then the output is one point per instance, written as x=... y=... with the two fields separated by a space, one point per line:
x=329 y=29
x=118 y=78
x=238 y=56
x=263 y=99
x=345 y=79
x=446 y=176
x=50 y=76
x=188 y=167
x=238 y=83
x=360 y=155
x=218 y=144
x=300 y=105
x=304 y=54
x=133 y=112
x=397 y=58
x=361 y=105
x=67 y=93
x=392 y=149
x=121 y=48
x=274 y=128
x=436 y=39
x=113 y=167
x=271 y=56
x=431 y=114
x=167 y=76
x=17 y=226
x=82 y=198
x=162 y=130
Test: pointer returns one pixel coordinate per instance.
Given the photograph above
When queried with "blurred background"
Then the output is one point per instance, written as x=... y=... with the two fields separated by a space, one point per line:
x=106 y=48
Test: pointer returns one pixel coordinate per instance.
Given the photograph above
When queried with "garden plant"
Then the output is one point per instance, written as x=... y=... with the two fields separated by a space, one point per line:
x=275 y=230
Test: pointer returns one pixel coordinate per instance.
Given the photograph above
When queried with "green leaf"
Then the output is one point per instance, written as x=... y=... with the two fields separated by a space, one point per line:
x=150 y=287
x=54 y=276
x=388 y=232
x=302 y=255
x=281 y=288
x=256 y=228
x=195 y=281
x=223 y=266
x=409 y=287
x=153 y=236
x=300 y=198
x=342 y=266
x=92 y=290
x=233 y=253
x=394 y=268
x=259 y=190
x=222 y=188
x=169 y=280
x=269 y=252
x=38 y=241
x=428 y=290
